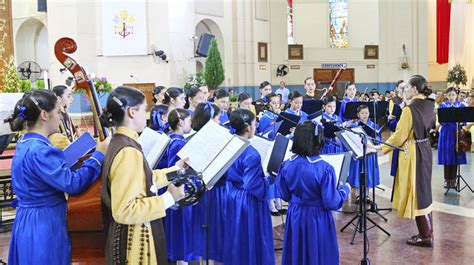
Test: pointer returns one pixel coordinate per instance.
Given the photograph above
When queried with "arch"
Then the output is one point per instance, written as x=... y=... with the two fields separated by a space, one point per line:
x=31 y=43
x=209 y=26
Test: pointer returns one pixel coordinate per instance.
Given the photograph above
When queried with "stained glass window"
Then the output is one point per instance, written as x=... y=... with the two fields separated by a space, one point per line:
x=338 y=33
x=290 y=22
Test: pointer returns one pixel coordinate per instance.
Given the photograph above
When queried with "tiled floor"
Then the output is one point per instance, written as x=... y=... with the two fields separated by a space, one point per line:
x=453 y=227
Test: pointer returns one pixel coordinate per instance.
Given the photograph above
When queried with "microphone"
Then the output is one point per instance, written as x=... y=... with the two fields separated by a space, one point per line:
x=323 y=121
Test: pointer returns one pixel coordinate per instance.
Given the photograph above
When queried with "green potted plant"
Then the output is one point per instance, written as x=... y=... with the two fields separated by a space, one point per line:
x=457 y=76
x=214 y=70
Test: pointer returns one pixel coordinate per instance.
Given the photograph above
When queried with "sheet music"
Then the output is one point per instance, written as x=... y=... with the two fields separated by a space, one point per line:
x=212 y=150
x=354 y=142
x=337 y=161
x=262 y=145
x=288 y=153
x=223 y=160
x=264 y=148
x=153 y=145
x=213 y=137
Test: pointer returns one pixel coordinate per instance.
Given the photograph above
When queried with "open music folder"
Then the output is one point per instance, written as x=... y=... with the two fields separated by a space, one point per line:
x=353 y=143
x=153 y=145
x=212 y=150
x=82 y=146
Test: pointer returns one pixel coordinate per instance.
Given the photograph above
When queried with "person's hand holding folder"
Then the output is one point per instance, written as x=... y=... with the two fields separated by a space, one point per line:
x=103 y=146
x=182 y=163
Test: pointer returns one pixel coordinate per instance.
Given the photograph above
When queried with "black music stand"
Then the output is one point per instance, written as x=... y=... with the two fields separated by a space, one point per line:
x=457 y=115
x=377 y=110
x=361 y=216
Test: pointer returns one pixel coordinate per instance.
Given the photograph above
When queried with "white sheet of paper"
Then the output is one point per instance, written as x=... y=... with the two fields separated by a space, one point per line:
x=288 y=153
x=153 y=145
x=211 y=150
x=355 y=142
x=264 y=148
x=336 y=161
x=219 y=163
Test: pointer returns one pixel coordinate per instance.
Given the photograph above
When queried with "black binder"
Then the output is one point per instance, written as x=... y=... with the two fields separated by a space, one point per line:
x=289 y=121
x=380 y=108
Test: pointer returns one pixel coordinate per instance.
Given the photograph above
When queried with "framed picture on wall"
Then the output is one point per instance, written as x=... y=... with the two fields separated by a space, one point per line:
x=295 y=52
x=371 y=52
x=262 y=49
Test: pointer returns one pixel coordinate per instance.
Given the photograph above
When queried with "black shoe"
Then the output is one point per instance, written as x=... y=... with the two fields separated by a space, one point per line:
x=367 y=200
x=282 y=211
x=275 y=213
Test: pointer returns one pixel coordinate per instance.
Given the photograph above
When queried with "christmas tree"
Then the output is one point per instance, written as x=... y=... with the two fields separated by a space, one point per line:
x=11 y=81
x=214 y=72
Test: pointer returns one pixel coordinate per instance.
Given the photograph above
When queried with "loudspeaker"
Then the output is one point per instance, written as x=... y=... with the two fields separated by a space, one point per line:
x=42 y=6
x=204 y=43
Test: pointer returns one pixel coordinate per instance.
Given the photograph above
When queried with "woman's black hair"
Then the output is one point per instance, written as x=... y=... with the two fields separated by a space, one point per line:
x=117 y=102
x=28 y=108
x=452 y=89
x=191 y=93
x=421 y=85
x=264 y=84
x=361 y=107
x=175 y=116
x=328 y=99
x=155 y=115
x=172 y=93
x=157 y=90
x=243 y=96
x=293 y=95
x=240 y=120
x=59 y=90
x=221 y=93
x=202 y=114
x=308 y=139
x=270 y=96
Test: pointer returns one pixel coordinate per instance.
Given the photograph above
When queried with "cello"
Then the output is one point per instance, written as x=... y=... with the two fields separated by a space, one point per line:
x=84 y=211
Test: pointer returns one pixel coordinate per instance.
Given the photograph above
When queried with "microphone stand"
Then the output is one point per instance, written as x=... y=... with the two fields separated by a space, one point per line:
x=361 y=216
x=373 y=207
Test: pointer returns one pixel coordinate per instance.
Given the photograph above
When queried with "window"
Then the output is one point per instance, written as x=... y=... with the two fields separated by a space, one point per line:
x=289 y=12
x=338 y=33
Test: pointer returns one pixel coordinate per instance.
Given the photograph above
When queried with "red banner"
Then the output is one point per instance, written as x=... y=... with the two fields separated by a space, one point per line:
x=443 y=21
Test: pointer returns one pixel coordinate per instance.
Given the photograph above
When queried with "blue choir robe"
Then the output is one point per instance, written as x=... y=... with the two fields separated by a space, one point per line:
x=249 y=234
x=343 y=107
x=447 y=154
x=40 y=178
x=309 y=184
x=190 y=112
x=332 y=145
x=177 y=223
x=210 y=211
x=224 y=118
x=373 y=175
x=302 y=114
x=268 y=119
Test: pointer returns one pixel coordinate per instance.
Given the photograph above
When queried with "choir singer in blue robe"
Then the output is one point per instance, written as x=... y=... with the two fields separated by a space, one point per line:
x=40 y=178
x=309 y=184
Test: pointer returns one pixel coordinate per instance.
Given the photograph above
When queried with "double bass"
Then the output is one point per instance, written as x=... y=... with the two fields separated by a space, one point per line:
x=84 y=212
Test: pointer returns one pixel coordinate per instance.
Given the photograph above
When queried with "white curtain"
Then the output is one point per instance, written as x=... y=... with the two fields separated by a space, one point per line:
x=461 y=38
